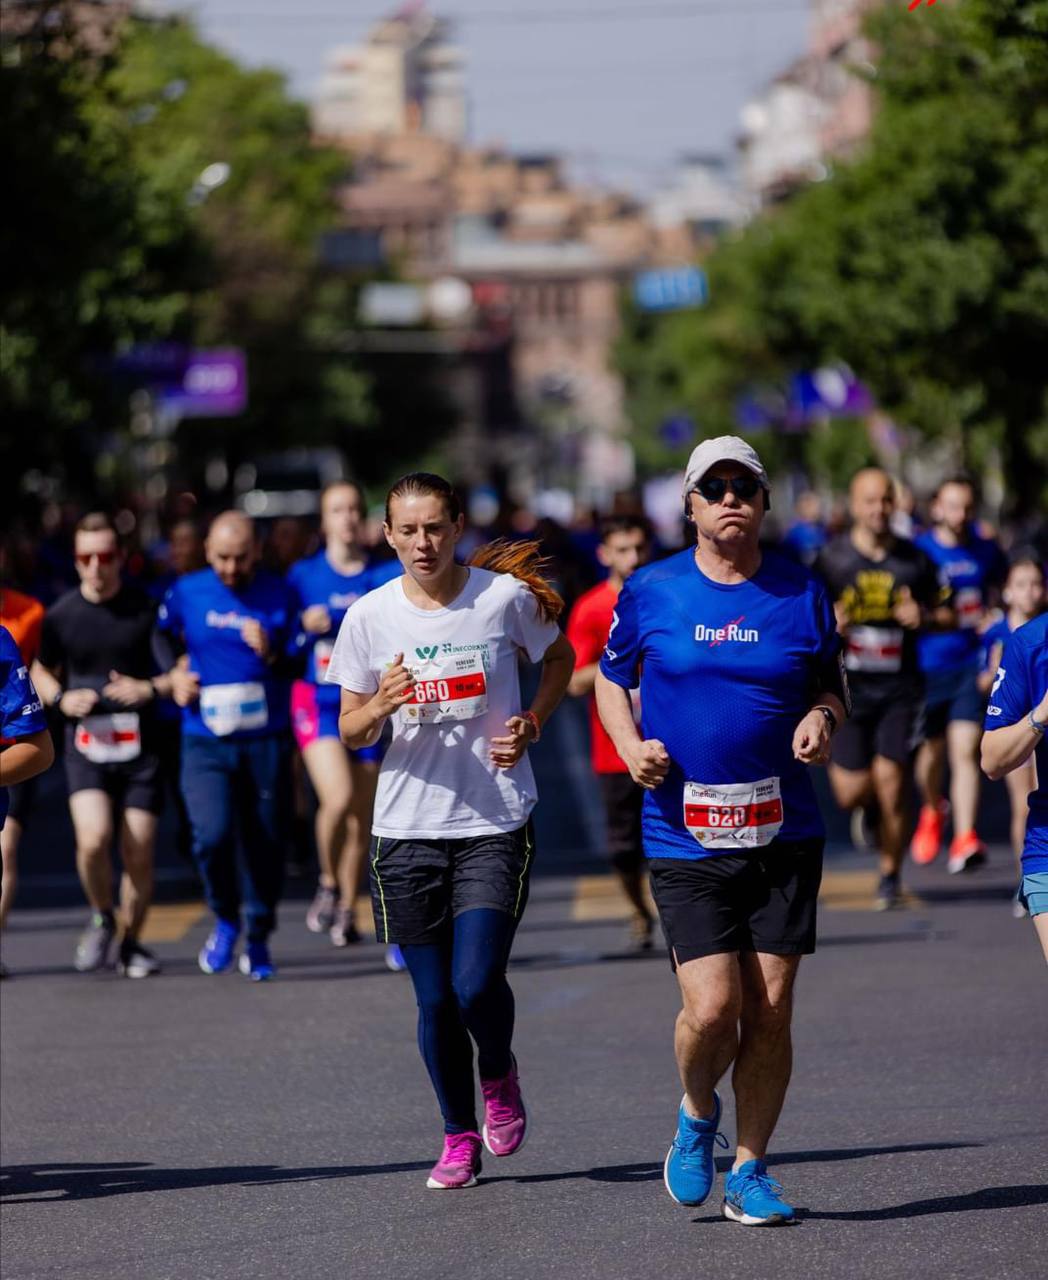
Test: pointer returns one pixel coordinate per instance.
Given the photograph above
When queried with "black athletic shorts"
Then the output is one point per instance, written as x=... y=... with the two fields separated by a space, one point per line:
x=623 y=800
x=419 y=886
x=760 y=901
x=133 y=784
x=888 y=727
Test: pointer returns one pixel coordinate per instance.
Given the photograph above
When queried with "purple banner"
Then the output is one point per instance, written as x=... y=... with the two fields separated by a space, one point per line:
x=210 y=384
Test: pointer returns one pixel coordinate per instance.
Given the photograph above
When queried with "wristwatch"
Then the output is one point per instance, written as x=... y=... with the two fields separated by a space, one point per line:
x=1036 y=725
x=831 y=719
x=533 y=720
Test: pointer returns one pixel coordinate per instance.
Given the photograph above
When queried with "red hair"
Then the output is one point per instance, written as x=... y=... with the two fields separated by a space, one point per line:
x=525 y=561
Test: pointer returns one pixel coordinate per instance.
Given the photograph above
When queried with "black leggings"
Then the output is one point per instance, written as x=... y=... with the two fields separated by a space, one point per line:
x=461 y=989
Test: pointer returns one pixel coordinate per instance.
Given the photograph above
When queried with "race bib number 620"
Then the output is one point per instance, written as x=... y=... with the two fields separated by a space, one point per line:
x=733 y=815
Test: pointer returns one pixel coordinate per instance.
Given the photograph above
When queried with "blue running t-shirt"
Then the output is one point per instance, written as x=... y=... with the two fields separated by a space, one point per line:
x=726 y=673
x=1020 y=684
x=315 y=581
x=966 y=574
x=21 y=713
x=240 y=695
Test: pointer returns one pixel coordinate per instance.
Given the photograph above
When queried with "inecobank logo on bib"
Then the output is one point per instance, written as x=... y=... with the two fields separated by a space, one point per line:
x=730 y=633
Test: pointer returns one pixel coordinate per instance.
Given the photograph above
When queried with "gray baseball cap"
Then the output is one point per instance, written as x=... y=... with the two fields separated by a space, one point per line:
x=723 y=449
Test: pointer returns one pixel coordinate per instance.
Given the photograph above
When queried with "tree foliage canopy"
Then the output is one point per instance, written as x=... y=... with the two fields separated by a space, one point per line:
x=116 y=241
x=922 y=263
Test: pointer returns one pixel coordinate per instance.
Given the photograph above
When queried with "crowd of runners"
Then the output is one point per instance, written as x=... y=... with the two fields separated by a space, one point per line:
x=387 y=674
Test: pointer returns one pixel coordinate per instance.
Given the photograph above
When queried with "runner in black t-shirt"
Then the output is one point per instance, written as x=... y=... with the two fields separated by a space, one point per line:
x=883 y=589
x=96 y=666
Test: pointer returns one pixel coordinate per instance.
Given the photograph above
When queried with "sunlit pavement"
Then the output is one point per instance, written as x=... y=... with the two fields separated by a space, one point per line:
x=188 y=1126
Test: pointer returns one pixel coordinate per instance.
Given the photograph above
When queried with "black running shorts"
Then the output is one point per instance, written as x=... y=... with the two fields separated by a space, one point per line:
x=419 y=886
x=623 y=800
x=134 y=784
x=891 y=728
x=761 y=901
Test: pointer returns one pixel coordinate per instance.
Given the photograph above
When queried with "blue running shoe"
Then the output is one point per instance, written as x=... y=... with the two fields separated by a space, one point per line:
x=395 y=959
x=689 y=1170
x=256 y=962
x=752 y=1197
x=220 y=949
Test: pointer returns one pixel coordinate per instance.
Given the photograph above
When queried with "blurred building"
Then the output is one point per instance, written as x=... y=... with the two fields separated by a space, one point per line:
x=814 y=112
x=700 y=203
x=540 y=261
x=407 y=77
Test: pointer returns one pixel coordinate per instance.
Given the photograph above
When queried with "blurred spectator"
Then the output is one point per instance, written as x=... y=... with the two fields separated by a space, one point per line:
x=809 y=533
x=288 y=540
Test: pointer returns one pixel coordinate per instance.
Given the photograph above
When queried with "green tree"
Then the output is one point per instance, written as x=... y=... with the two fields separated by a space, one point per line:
x=923 y=263
x=262 y=287
x=87 y=261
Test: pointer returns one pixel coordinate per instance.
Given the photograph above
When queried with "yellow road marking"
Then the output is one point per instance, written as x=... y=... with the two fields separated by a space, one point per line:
x=601 y=898
x=170 y=922
x=854 y=891
x=364 y=916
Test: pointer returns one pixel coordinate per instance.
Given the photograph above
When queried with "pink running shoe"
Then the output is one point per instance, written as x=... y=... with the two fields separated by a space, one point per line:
x=505 y=1120
x=458 y=1165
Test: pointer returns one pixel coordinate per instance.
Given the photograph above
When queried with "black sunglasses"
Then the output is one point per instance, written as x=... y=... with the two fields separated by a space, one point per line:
x=713 y=488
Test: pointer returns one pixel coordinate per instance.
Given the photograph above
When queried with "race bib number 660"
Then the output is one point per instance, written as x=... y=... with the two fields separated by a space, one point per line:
x=733 y=815
x=452 y=690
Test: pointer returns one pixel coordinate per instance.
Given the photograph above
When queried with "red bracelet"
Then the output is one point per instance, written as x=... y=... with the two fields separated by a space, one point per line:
x=533 y=720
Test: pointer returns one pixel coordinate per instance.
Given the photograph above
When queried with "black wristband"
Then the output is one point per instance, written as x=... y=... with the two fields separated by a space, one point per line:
x=831 y=719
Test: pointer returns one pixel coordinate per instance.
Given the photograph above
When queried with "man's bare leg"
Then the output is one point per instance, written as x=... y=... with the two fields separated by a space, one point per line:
x=765 y=1055
x=137 y=839
x=92 y=814
x=706 y=1039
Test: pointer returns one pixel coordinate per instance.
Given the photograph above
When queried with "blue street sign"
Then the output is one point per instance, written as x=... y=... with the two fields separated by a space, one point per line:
x=672 y=289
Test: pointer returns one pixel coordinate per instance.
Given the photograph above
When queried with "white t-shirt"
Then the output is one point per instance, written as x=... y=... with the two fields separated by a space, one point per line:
x=437 y=780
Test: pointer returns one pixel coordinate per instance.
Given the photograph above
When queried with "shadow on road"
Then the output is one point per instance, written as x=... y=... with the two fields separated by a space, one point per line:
x=989 y=1198
x=45 y=1183
x=648 y=1172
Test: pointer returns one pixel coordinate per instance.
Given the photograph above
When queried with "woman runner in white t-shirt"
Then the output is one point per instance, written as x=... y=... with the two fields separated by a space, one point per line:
x=452 y=846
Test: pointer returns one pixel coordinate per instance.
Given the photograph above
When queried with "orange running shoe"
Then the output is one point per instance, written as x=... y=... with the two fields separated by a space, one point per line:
x=967 y=852
x=927 y=838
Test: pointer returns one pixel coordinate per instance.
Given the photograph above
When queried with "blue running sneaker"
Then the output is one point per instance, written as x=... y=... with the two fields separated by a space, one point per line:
x=220 y=949
x=689 y=1170
x=395 y=959
x=256 y=962
x=752 y=1197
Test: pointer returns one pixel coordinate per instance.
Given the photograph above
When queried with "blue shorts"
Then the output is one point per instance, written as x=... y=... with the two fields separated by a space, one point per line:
x=313 y=718
x=951 y=695
x=1033 y=893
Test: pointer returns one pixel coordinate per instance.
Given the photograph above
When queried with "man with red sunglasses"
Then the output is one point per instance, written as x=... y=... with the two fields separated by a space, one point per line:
x=736 y=654
x=96 y=667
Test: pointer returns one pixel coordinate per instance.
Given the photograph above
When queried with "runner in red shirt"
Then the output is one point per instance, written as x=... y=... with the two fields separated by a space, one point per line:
x=625 y=544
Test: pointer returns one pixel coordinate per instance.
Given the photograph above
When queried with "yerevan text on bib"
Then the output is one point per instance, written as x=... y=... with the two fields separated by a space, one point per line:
x=733 y=815
x=233 y=708
x=109 y=739
x=448 y=688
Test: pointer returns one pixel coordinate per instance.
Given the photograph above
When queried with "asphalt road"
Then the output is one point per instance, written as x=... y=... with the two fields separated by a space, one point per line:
x=187 y=1126
x=190 y=1126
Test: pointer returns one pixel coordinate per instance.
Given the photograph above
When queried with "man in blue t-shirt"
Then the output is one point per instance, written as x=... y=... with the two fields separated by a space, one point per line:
x=970 y=568
x=324 y=586
x=737 y=657
x=1016 y=719
x=235 y=624
x=741 y=686
x=26 y=748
